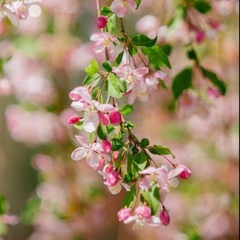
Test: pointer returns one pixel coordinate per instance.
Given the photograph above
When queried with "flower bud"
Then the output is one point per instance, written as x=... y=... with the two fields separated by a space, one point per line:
x=186 y=173
x=103 y=118
x=164 y=217
x=102 y=22
x=112 y=179
x=73 y=119
x=124 y=214
x=115 y=117
x=107 y=147
x=200 y=35
x=213 y=92
x=143 y=211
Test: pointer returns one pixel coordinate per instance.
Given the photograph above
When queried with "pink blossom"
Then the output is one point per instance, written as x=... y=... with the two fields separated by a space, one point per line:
x=143 y=216
x=214 y=24
x=154 y=175
x=102 y=22
x=180 y=170
x=124 y=214
x=164 y=217
x=90 y=152
x=82 y=101
x=103 y=40
x=9 y=219
x=143 y=211
x=115 y=117
x=121 y=7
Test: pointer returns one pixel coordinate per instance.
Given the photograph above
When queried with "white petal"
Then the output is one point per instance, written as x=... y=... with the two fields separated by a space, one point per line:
x=79 y=153
x=153 y=221
x=90 y=122
x=104 y=107
x=81 y=141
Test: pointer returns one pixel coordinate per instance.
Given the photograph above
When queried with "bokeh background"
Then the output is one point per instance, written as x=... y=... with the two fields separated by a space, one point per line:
x=58 y=198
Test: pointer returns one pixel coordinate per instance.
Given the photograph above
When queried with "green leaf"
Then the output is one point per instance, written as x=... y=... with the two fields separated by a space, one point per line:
x=122 y=85
x=144 y=143
x=129 y=198
x=192 y=54
x=125 y=109
x=202 y=6
x=107 y=66
x=116 y=144
x=111 y=23
x=131 y=49
x=110 y=128
x=92 y=68
x=91 y=78
x=112 y=86
x=105 y=11
x=30 y=210
x=118 y=59
x=215 y=80
x=128 y=177
x=143 y=40
x=182 y=81
x=4 y=206
x=160 y=150
x=156 y=56
x=152 y=198
x=3 y=229
x=140 y=161
x=100 y=132
x=167 y=48
x=138 y=2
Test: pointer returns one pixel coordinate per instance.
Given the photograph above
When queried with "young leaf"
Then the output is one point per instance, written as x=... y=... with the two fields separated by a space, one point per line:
x=125 y=109
x=152 y=198
x=105 y=11
x=156 y=56
x=116 y=144
x=3 y=204
x=138 y=2
x=140 y=161
x=143 y=40
x=144 y=143
x=214 y=80
x=111 y=23
x=118 y=59
x=182 y=81
x=129 y=197
x=92 y=68
x=192 y=54
x=202 y=6
x=90 y=78
x=100 y=132
x=112 y=86
x=107 y=66
x=160 y=150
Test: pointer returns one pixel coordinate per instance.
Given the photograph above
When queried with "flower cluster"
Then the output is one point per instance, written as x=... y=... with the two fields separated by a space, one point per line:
x=112 y=149
x=16 y=11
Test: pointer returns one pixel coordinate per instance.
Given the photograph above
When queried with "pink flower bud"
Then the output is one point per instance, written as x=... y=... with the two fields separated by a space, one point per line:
x=164 y=217
x=103 y=118
x=102 y=22
x=115 y=117
x=100 y=163
x=112 y=179
x=143 y=211
x=107 y=147
x=124 y=214
x=200 y=35
x=73 y=119
x=213 y=92
x=214 y=24
x=108 y=168
x=186 y=173
x=115 y=155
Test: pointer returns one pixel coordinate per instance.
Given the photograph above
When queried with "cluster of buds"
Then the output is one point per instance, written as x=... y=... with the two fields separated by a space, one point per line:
x=113 y=150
